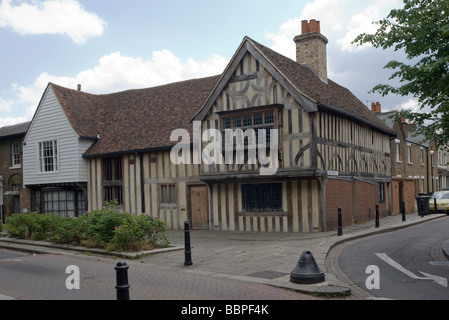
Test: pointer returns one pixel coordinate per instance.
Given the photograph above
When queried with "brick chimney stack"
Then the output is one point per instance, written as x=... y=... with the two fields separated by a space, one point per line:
x=311 y=48
x=376 y=107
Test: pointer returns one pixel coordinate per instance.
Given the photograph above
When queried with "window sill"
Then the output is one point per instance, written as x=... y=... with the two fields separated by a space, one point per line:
x=168 y=206
x=48 y=173
x=263 y=214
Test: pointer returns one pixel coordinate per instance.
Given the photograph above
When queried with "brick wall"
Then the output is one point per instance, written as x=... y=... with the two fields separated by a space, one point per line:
x=365 y=197
x=409 y=195
x=12 y=176
x=338 y=194
x=356 y=198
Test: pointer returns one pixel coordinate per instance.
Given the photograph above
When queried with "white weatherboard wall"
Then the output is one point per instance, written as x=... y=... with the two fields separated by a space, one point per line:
x=51 y=123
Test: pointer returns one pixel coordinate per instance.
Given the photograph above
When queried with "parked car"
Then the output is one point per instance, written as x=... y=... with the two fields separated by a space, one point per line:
x=442 y=200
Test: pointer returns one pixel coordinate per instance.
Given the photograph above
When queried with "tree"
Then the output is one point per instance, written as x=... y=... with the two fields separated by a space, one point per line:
x=421 y=29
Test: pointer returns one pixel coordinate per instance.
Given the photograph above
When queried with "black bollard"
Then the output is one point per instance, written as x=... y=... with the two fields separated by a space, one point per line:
x=307 y=270
x=340 y=224
x=403 y=211
x=377 y=216
x=122 y=281
x=187 y=251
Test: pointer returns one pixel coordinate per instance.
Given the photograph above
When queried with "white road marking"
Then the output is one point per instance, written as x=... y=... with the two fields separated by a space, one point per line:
x=439 y=280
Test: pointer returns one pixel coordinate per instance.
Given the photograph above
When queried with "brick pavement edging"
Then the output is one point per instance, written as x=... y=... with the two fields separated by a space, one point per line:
x=47 y=247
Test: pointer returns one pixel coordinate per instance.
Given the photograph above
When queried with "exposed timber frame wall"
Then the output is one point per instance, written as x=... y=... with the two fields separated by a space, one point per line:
x=354 y=162
x=142 y=188
x=320 y=149
x=300 y=212
x=348 y=147
x=251 y=88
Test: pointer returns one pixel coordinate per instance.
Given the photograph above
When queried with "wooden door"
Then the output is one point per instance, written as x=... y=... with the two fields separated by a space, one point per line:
x=198 y=207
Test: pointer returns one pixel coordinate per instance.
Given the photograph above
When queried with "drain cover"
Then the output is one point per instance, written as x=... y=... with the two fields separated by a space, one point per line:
x=267 y=274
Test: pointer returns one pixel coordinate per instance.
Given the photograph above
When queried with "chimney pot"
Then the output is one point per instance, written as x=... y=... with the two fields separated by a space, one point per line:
x=79 y=87
x=376 y=107
x=312 y=24
x=305 y=26
x=311 y=48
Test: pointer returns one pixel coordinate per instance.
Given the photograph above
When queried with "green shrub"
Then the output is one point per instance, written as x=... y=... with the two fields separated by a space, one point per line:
x=136 y=233
x=26 y=226
x=106 y=228
x=67 y=231
x=100 y=226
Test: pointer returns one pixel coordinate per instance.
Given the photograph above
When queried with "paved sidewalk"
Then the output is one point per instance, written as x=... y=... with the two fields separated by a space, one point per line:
x=266 y=258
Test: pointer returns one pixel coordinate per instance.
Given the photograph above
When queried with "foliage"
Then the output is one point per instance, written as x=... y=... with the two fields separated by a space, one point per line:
x=31 y=226
x=106 y=228
x=421 y=29
x=137 y=233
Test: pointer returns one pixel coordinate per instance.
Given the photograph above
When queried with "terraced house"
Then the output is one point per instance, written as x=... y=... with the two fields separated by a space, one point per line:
x=13 y=197
x=325 y=148
x=413 y=166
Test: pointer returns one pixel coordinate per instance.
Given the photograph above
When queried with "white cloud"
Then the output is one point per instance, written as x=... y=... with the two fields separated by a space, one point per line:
x=411 y=104
x=5 y=105
x=12 y=121
x=359 y=68
x=342 y=20
x=51 y=17
x=114 y=73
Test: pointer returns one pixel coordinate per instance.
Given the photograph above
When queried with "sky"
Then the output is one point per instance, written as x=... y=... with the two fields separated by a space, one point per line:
x=115 y=45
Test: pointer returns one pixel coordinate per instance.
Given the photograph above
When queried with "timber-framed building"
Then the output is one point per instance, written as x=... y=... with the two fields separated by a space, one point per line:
x=331 y=151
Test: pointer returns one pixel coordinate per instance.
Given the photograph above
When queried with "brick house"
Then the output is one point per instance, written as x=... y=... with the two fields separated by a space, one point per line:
x=324 y=150
x=443 y=169
x=414 y=168
x=13 y=197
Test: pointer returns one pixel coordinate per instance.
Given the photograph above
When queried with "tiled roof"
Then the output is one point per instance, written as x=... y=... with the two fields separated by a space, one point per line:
x=81 y=109
x=14 y=130
x=143 y=119
x=134 y=120
x=330 y=94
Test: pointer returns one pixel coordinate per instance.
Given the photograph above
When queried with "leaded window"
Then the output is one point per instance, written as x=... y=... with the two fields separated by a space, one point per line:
x=265 y=197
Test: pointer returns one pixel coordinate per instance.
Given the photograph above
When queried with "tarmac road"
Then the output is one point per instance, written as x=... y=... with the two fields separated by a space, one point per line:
x=243 y=258
x=43 y=277
x=411 y=264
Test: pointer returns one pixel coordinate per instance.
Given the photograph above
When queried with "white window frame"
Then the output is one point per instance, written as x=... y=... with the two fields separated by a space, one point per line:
x=421 y=155
x=55 y=156
x=14 y=154
x=398 y=158
x=409 y=153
